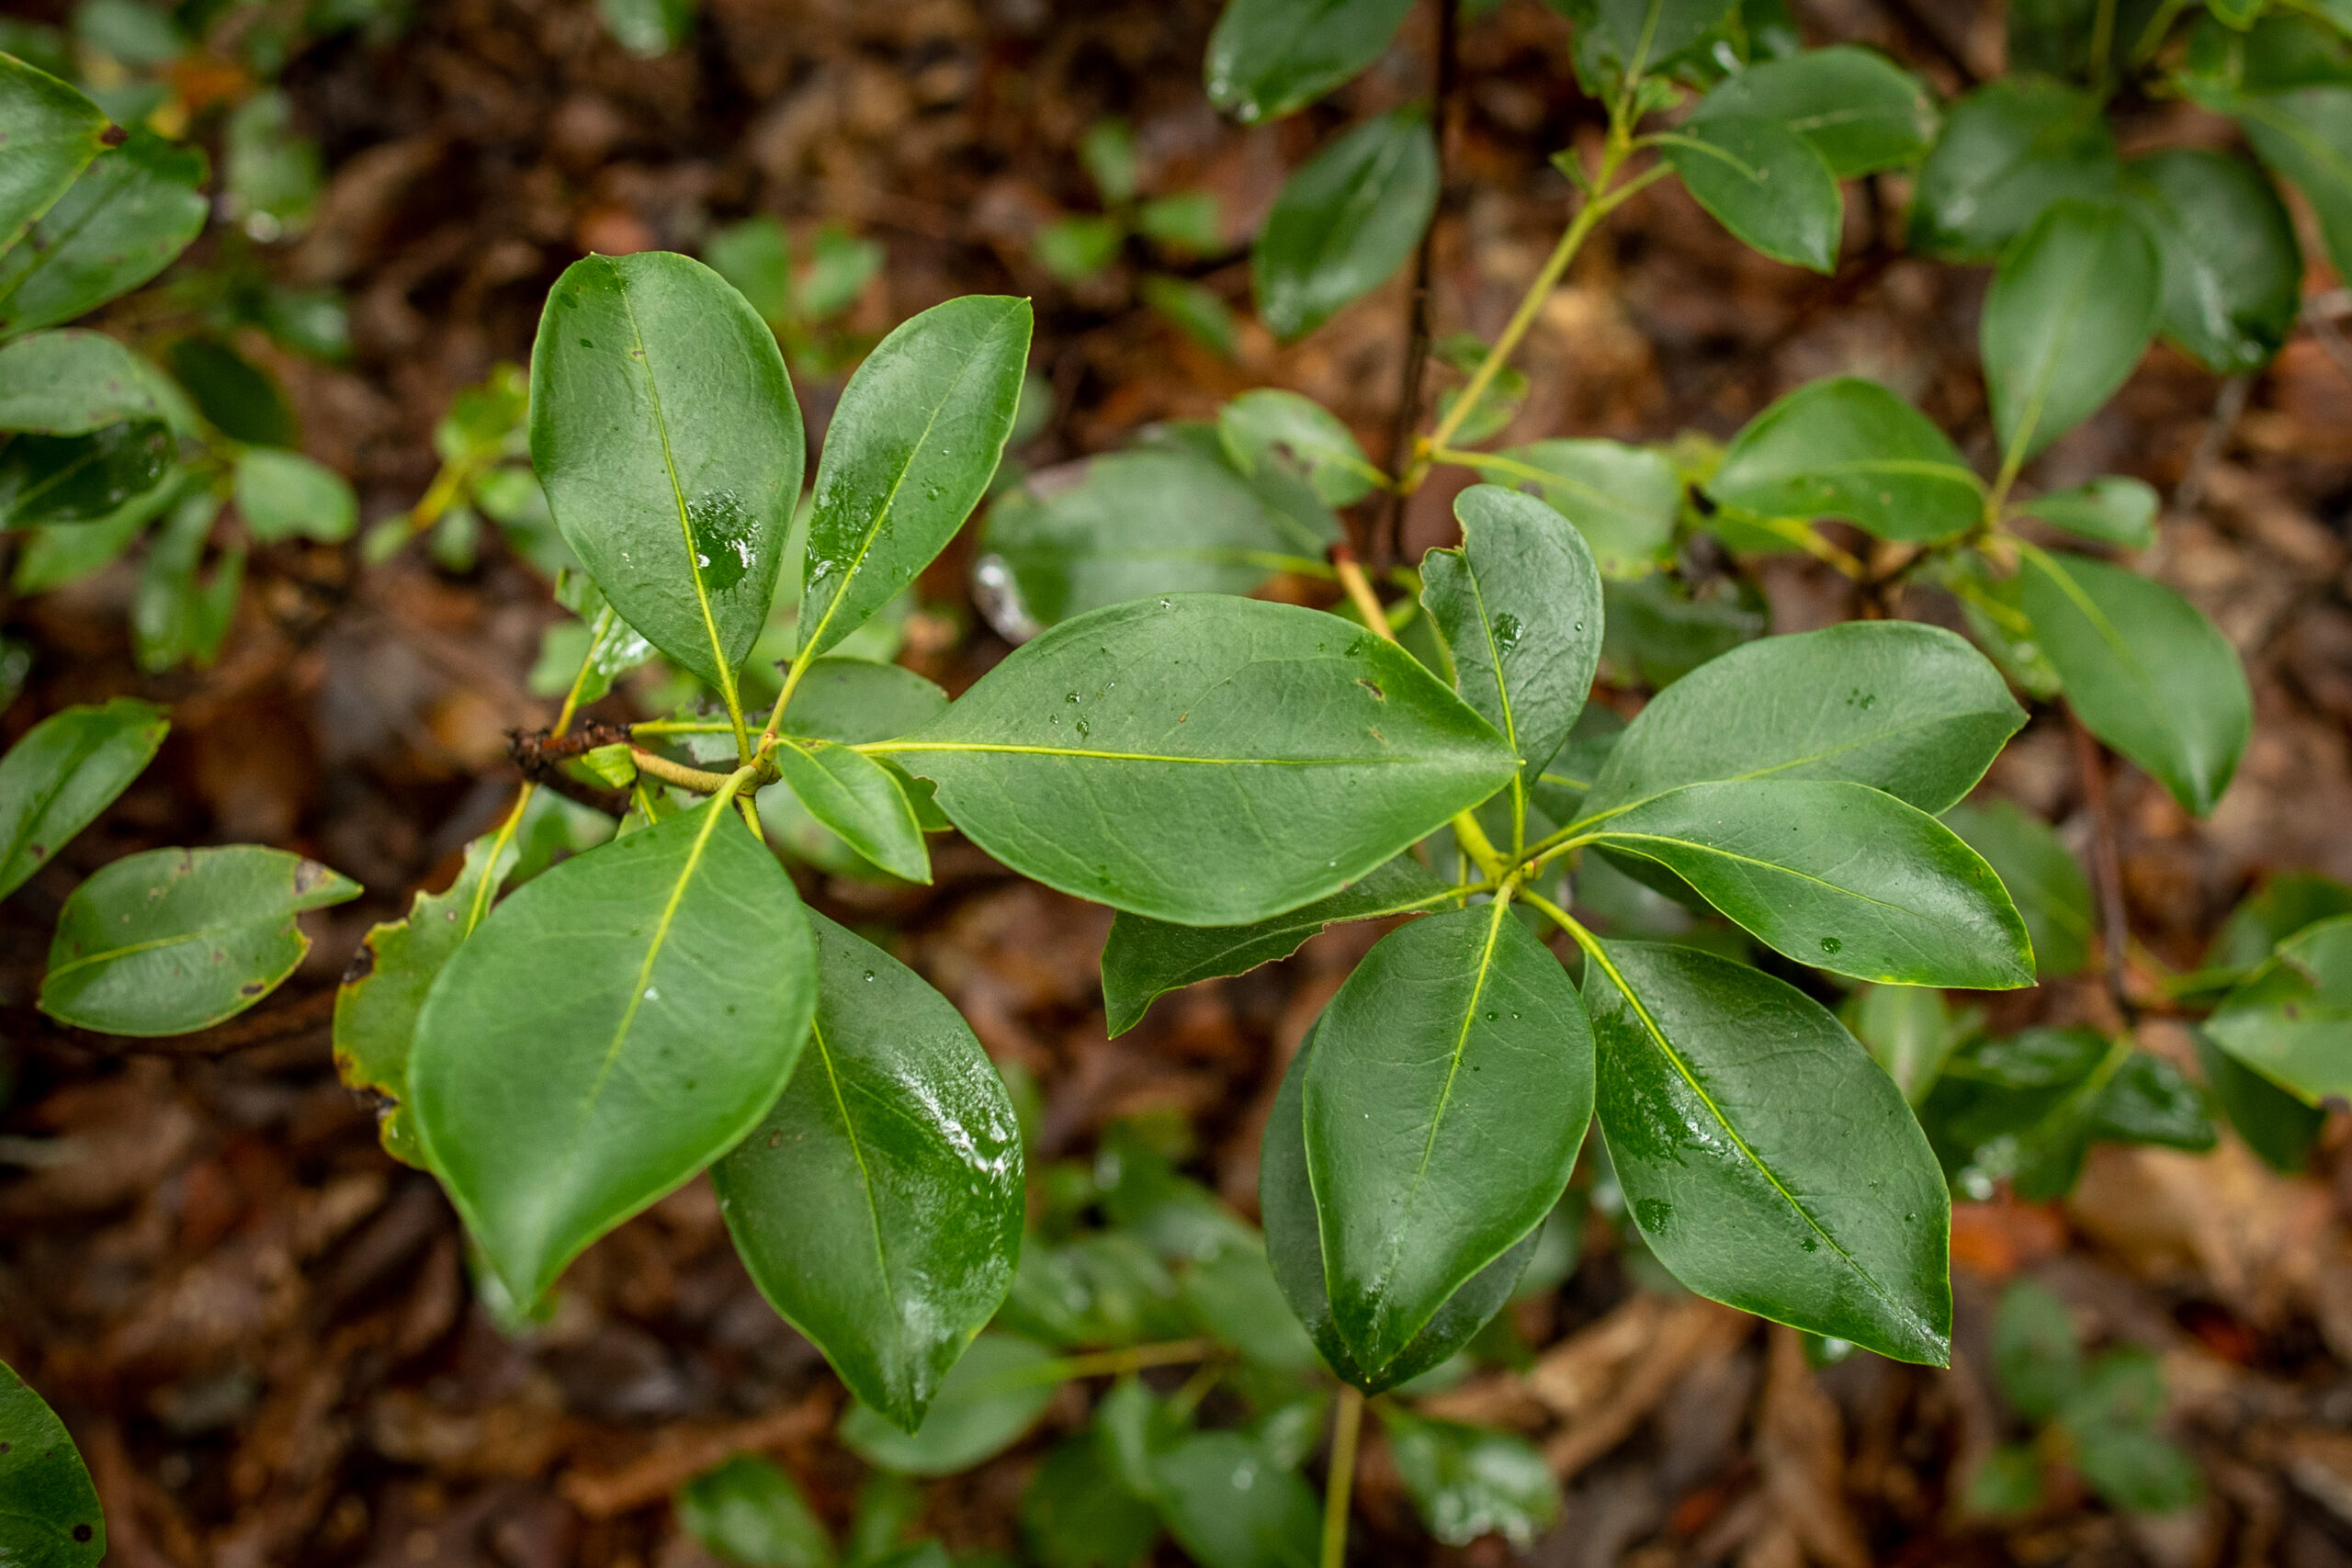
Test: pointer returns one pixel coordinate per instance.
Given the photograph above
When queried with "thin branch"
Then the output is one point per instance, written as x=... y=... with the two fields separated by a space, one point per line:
x=2227 y=408
x=1386 y=543
x=2106 y=864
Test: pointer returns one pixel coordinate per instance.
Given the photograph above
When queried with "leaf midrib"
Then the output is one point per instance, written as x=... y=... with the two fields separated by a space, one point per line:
x=644 y=356
x=865 y=1176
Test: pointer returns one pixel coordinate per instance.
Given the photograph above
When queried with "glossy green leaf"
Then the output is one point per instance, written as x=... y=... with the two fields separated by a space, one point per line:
x=2144 y=669
x=1764 y=183
x=1472 y=1480
x=49 y=1516
x=1269 y=420
x=909 y=453
x=1848 y=448
x=1622 y=499
x=2275 y=1124
x=1519 y=605
x=2008 y=150
x=49 y=132
x=133 y=209
x=66 y=769
x=173 y=940
x=1204 y=760
x=2305 y=134
x=747 y=1511
x=1344 y=222
x=1767 y=1160
x=2029 y=1107
x=1077 y=1513
x=664 y=429
x=1908 y=708
x=1618 y=39
x=853 y=701
x=2072 y=307
x=1857 y=108
x=1268 y=58
x=54 y=555
x=2292 y=1020
x=1230 y=1505
x=878 y=1204
x=993 y=1396
x=1838 y=876
x=2232 y=269
x=2113 y=510
x=282 y=495
x=71 y=383
x=1144 y=958
x=2037 y=1357
x=611 y=1029
x=857 y=798
x=54 y=479
x=2044 y=880
x=1449 y=1094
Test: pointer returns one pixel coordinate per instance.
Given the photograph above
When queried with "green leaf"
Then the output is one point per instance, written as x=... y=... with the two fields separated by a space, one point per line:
x=610 y=1030
x=2292 y=1020
x=1195 y=308
x=66 y=769
x=1472 y=1480
x=54 y=555
x=664 y=429
x=1107 y=1288
x=2044 y=880
x=878 y=1205
x=177 y=615
x=50 y=133
x=72 y=383
x=909 y=453
x=282 y=495
x=1622 y=499
x=648 y=28
x=993 y=1396
x=48 y=1511
x=1848 y=448
x=851 y=701
x=1620 y=39
x=2146 y=672
x=131 y=211
x=2233 y=270
x=1230 y=1505
x=237 y=395
x=1908 y=708
x=2008 y=1483
x=2275 y=1125
x=2072 y=307
x=1764 y=183
x=1144 y=959
x=1857 y=108
x=1838 y=876
x=1268 y=58
x=2008 y=150
x=755 y=258
x=1187 y=221
x=1908 y=1031
x=1258 y=424
x=1204 y=760
x=2137 y=1471
x=1766 y=1160
x=1449 y=1094
x=1077 y=1513
x=2112 y=509
x=272 y=173
x=1295 y=1251
x=1077 y=248
x=1519 y=605
x=2305 y=134
x=857 y=798
x=173 y=940
x=747 y=1511
x=50 y=479
x=1234 y=1294
x=1344 y=221
x=2030 y=1106
x=2036 y=1356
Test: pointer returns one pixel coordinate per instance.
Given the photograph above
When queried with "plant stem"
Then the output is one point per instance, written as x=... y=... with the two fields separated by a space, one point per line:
x=2107 y=861
x=506 y=829
x=1389 y=536
x=1340 y=1483
x=696 y=779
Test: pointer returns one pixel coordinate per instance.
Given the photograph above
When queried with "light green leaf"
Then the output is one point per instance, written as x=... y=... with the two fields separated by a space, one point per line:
x=2292 y=1020
x=72 y=383
x=2072 y=307
x=1204 y=760
x=1233 y=1292
x=851 y=701
x=173 y=940
x=2008 y=150
x=50 y=133
x=1077 y=248
x=1472 y=1480
x=2044 y=879
x=131 y=211
x=756 y=257
x=1450 y=1091
x=1260 y=423
x=1622 y=499
x=1857 y=108
x=1848 y=448
x=272 y=173
x=176 y=615
x=1268 y=58
x=48 y=1511
x=995 y=1395
x=664 y=429
x=2146 y=673
x=1764 y=183
x=2305 y=134
x=2275 y=1124
x=1767 y=1160
x=1230 y=1505
x=1344 y=222
x=66 y=769
x=910 y=451
x=878 y=1205
x=2113 y=509
x=284 y=493
x=1185 y=220
x=2232 y=269
x=610 y=1030
x=1908 y=1031
x=1197 y=310
x=857 y=798
x=750 y=1512
x=648 y=28
x=2283 y=905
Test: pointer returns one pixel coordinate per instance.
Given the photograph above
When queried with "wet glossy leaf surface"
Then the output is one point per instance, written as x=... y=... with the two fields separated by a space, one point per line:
x=134 y=209
x=66 y=769
x=2072 y=307
x=1764 y=183
x=857 y=798
x=49 y=1516
x=1848 y=448
x=995 y=1395
x=1857 y=108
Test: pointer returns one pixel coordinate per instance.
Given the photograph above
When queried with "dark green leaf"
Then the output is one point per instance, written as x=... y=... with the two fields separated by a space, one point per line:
x=50 y=133
x=1764 y=183
x=664 y=429
x=2233 y=270
x=1270 y=57
x=2044 y=880
x=2113 y=509
x=993 y=1395
x=2122 y=1387
x=49 y=1516
x=750 y=1512
x=1260 y=423
x=2072 y=307
x=2008 y=150
x=851 y=701
x=1769 y=1163
x=2035 y=1353
x=133 y=210
x=878 y=1205
x=1075 y=1514
x=1857 y=108
x=238 y=397
x=56 y=554
x=2058 y=38
x=282 y=495
x=1849 y=448
x=1144 y=959
x=909 y=453
x=1107 y=1288
x=1620 y=39
x=2306 y=135
x=66 y=769
x=2274 y=1123
x=1659 y=629
x=2145 y=672
x=1230 y=1505
x=610 y=1030
x=1204 y=760
x=1472 y=1480
x=47 y=479
x=1345 y=220
x=173 y=940
x=2147 y=1101
x=2282 y=906
x=857 y=798
x=1449 y=1094
x=2292 y=1020
x=72 y=383
x=1235 y=1294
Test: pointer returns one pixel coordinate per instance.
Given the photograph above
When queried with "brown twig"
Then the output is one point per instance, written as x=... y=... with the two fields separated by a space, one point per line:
x=2106 y=864
x=1387 y=534
x=541 y=756
x=2228 y=405
x=680 y=1455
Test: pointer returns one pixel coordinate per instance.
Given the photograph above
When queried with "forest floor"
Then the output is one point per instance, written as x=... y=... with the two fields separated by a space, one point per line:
x=259 y=1327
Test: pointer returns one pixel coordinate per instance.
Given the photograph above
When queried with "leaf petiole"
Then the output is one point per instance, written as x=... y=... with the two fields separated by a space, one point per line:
x=1340 y=1483
x=506 y=829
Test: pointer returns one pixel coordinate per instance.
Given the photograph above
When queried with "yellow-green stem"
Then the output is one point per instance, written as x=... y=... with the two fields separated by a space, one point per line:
x=1339 y=1485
